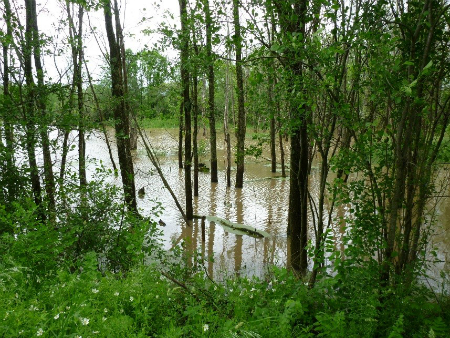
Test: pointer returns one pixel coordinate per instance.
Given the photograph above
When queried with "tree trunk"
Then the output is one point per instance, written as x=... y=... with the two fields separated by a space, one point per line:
x=273 y=154
x=77 y=59
x=180 y=136
x=211 y=88
x=102 y=119
x=241 y=128
x=121 y=116
x=121 y=42
x=195 y=106
x=41 y=104
x=293 y=20
x=6 y=116
x=29 y=113
x=187 y=107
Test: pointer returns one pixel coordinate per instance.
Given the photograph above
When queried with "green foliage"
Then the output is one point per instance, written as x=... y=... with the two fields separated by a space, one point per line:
x=159 y=123
x=257 y=149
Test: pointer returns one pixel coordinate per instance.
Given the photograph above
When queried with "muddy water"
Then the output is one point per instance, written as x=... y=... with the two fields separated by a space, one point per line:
x=262 y=203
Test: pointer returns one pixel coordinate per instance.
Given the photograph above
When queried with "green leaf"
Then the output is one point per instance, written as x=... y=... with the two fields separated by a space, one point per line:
x=429 y=64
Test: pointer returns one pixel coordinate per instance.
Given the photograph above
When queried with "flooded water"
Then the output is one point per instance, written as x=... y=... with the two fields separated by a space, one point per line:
x=262 y=204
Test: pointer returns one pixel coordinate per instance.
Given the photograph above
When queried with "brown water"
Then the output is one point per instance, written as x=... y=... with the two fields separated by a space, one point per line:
x=262 y=203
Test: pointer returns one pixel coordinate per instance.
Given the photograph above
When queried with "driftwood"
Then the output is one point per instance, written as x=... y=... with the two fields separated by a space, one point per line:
x=238 y=229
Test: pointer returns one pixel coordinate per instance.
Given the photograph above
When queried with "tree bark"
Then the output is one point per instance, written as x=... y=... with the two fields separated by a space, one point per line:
x=187 y=107
x=293 y=20
x=121 y=116
x=41 y=104
x=241 y=128
x=195 y=118
x=211 y=89
x=8 y=126
x=180 y=136
x=30 y=112
x=77 y=59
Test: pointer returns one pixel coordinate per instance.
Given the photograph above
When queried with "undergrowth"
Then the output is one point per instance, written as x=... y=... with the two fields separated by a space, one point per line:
x=88 y=274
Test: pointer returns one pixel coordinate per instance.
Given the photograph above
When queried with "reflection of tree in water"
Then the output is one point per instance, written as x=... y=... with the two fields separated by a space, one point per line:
x=240 y=220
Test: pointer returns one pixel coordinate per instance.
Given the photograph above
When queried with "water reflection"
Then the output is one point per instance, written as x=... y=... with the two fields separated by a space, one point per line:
x=262 y=203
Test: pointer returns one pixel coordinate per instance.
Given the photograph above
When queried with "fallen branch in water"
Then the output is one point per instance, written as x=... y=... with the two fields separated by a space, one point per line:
x=239 y=229
x=151 y=155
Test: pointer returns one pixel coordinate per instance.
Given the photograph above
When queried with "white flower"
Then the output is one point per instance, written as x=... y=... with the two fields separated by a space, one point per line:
x=253 y=289
x=67 y=308
x=57 y=316
x=157 y=296
x=39 y=332
x=131 y=298
x=205 y=327
x=94 y=290
x=116 y=293
x=215 y=288
x=105 y=310
x=103 y=319
x=84 y=321
x=251 y=296
x=95 y=332
x=33 y=308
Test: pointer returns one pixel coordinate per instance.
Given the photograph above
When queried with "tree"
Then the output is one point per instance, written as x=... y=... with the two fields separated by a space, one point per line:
x=77 y=82
x=184 y=49
x=241 y=126
x=211 y=89
x=37 y=95
x=7 y=103
x=292 y=19
x=121 y=115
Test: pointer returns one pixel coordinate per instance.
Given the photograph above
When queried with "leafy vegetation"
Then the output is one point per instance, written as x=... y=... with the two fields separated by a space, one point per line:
x=360 y=88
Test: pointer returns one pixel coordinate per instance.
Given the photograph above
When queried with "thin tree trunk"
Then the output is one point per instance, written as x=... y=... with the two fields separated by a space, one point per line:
x=77 y=59
x=65 y=151
x=81 y=117
x=30 y=113
x=187 y=107
x=226 y=131
x=273 y=154
x=41 y=104
x=195 y=118
x=9 y=130
x=241 y=128
x=226 y=117
x=283 y=166
x=121 y=42
x=151 y=155
x=100 y=114
x=180 y=136
x=121 y=116
x=211 y=88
